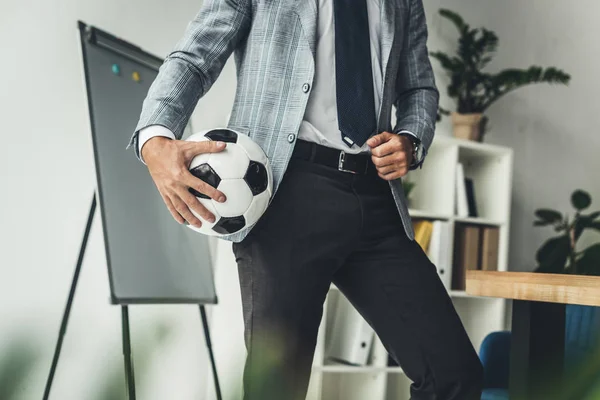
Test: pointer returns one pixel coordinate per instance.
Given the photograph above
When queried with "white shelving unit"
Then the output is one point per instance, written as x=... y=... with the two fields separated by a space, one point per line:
x=433 y=198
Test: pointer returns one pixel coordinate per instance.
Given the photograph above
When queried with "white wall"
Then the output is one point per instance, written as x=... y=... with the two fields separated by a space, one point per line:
x=554 y=130
x=47 y=180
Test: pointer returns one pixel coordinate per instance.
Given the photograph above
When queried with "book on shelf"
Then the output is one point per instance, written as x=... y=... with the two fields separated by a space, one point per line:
x=423 y=230
x=351 y=336
x=462 y=204
x=470 y=191
x=439 y=251
x=490 y=241
x=466 y=254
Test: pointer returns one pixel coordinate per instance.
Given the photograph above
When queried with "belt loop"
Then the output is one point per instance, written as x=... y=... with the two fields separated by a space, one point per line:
x=313 y=152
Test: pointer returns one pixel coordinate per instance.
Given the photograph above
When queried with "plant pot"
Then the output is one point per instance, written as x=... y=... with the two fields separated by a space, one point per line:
x=467 y=126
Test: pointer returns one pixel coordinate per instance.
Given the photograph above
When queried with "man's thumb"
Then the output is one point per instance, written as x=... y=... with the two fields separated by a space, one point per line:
x=210 y=146
x=375 y=141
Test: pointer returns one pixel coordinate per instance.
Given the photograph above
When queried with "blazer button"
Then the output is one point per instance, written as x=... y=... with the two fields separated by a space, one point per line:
x=305 y=88
x=291 y=137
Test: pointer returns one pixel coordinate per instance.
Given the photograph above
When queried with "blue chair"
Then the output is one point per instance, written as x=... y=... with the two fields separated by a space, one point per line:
x=582 y=334
x=494 y=354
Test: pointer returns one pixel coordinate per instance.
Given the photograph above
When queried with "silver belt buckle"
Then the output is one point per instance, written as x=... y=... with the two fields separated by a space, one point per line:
x=341 y=164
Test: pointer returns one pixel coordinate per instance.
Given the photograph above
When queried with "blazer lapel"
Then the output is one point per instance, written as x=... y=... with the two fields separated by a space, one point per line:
x=388 y=29
x=307 y=12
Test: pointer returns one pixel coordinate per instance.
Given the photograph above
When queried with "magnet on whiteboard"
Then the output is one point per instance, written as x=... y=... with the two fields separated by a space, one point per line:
x=116 y=69
x=136 y=76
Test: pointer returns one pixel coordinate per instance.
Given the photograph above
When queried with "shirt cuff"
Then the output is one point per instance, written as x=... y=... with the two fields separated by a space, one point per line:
x=150 y=132
x=408 y=132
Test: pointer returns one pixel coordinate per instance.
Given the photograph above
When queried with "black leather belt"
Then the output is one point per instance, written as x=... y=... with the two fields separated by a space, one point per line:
x=360 y=164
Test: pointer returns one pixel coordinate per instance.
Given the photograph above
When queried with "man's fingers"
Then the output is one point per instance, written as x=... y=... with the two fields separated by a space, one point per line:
x=392 y=159
x=194 y=204
x=202 y=187
x=388 y=169
x=183 y=209
x=379 y=139
x=205 y=146
x=392 y=176
x=386 y=148
x=172 y=209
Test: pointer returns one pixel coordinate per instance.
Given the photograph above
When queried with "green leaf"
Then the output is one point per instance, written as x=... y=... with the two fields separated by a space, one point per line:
x=549 y=216
x=593 y=215
x=541 y=223
x=408 y=187
x=551 y=269
x=589 y=263
x=455 y=18
x=452 y=64
x=560 y=227
x=595 y=225
x=583 y=222
x=554 y=253
x=581 y=199
x=513 y=78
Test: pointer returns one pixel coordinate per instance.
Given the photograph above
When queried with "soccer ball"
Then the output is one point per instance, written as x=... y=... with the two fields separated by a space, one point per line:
x=242 y=172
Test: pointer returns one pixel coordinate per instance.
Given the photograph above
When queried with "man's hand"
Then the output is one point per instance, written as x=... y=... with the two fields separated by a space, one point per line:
x=392 y=154
x=168 y=162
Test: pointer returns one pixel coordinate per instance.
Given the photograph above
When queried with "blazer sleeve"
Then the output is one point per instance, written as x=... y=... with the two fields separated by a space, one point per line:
x=416 y=97
x=194 y=65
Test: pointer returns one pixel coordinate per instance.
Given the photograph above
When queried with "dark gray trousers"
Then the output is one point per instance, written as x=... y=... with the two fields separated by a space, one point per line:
x=327 y=226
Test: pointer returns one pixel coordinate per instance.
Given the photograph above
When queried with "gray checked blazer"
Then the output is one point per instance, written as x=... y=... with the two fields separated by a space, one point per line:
x=273 y=42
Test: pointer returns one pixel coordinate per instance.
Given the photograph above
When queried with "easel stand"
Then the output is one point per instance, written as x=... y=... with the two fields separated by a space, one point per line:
x=127 y=355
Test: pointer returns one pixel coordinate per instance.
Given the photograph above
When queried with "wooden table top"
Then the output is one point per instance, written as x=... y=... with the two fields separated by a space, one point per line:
x=551 y=288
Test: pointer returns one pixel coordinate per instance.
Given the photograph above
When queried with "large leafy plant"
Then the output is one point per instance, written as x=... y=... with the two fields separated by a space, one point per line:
x=560 y=254
x=474 y=89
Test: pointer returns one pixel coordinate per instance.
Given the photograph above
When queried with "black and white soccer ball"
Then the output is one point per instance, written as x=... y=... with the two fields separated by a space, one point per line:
x=242 y=172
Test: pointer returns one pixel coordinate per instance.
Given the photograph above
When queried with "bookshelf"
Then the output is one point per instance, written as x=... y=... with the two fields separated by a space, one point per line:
x=432 y=199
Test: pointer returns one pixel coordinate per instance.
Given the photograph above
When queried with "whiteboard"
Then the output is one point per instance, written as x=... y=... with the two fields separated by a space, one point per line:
x=150 y=257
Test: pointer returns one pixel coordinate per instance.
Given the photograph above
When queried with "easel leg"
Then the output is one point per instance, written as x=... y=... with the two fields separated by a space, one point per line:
x=210 y=351
x=127 y=356
x=67 y=313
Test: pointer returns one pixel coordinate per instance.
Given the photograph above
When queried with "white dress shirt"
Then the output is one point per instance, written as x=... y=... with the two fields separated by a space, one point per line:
x=320 y=124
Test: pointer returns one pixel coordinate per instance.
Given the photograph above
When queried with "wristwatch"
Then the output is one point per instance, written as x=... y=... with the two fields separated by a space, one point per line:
x=418 y=153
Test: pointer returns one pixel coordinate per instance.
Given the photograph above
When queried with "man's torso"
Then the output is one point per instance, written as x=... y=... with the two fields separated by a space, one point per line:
x=320 y=123
x=276 y=70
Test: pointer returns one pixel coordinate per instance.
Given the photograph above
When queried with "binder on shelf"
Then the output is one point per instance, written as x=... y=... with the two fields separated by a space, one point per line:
x=379 y=354
x=466 y=254
x=439 y=251
x=351 y=336
x=423 y=230
x=490 y=241
x=470 y=192
x=462 y=205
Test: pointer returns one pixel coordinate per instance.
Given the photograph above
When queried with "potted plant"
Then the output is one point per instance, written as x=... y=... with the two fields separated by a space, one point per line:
x=476 y=90
x=560 y=254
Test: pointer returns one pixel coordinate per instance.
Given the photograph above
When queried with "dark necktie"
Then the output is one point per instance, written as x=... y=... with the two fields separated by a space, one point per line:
x=354 y=74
